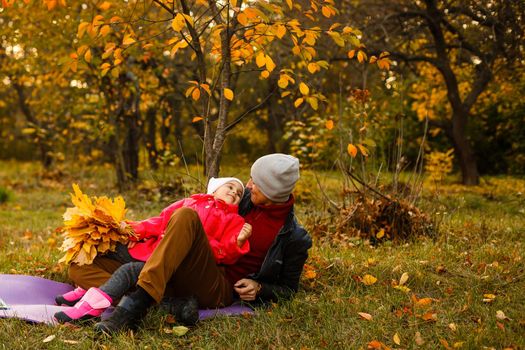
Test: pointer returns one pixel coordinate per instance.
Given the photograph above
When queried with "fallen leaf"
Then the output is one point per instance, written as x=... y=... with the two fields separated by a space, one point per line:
x=445 y=344
x=430 y=316
x=402 y=288
x=424 y=302
x=170 y=319
x=500 y=315
x=366 y=316
x=368 y=280
x=418 y=339
x=310 y=274
x=452 y=327
x=488 y=298
x=179 y=331
x=72 y=342
x=500 y=325
x=396 y=339
x=458 y=344
x=441 y=269
x=403 y=279
x=48 y=339
x=375 y=344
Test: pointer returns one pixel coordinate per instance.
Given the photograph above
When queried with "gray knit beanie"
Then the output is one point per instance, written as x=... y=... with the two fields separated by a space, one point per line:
x=275 y=175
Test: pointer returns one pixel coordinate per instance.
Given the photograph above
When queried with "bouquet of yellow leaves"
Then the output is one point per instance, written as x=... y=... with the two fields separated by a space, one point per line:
x=92 y=227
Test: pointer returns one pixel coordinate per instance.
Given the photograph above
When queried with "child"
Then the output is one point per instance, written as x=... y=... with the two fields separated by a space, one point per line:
x=226 y=231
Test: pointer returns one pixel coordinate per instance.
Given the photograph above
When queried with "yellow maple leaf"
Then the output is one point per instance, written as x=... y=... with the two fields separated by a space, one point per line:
x=368 y=280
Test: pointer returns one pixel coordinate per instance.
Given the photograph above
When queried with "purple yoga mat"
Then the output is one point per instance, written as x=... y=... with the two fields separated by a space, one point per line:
x=33 y=299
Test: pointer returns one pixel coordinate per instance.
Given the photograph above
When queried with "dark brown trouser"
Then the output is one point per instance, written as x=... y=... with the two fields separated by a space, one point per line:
x=182 y=265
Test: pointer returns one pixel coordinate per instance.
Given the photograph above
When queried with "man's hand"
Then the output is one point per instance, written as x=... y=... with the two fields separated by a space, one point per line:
x=247 y=289
x=245 y=233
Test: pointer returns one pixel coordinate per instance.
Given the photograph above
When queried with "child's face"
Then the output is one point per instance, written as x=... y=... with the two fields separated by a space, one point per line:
x=229 y=193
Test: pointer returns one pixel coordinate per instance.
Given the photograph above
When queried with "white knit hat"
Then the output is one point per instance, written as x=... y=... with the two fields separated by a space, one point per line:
x=275 y=175
x=215 y=183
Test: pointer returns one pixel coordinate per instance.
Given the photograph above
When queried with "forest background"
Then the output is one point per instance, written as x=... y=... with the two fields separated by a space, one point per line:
x=382 y=101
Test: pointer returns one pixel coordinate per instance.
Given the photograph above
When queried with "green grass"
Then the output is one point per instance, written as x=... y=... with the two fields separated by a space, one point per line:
x=479 y=250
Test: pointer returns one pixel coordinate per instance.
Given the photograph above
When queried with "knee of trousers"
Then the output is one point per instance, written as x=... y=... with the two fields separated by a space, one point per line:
x=185 y=214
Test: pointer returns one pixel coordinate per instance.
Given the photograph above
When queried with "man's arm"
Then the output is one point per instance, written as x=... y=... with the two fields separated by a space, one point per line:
x=286 y=285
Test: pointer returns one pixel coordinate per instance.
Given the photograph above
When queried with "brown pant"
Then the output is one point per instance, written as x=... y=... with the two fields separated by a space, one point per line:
x=182 y=265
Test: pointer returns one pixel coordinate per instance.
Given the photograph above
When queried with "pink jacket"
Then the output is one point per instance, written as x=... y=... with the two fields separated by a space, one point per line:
x=221 y=223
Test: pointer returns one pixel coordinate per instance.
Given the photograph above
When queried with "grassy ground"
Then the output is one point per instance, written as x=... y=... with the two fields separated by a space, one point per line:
x=465 y=288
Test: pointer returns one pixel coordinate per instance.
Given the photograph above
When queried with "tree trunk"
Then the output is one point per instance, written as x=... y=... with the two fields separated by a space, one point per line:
x=130 y=151
x=464 y=151
x=46 y=157
x=151 y=144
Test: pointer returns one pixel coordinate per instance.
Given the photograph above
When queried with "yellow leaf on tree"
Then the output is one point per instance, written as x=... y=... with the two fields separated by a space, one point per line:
x=228 y=93
x=304 y=89
x=178 y=22
x=196 y=94
x=313 y=102
x=242 y=18
x=128 y=40
x=313 y=67
x=289 y=3
x=282 y=82
x=352 y=150
x=329 y=124
x=361 y=56
x=368 y=280
x=280 y=31
x=298 y=102
x=87 y=55
x=82 y=29
x=380 y=234
x=260 y=60
x=270 y=65
x=82 y=50
x=104 y=6
x=196 y=119
x=265 y=74
x=363 y=150
x=326 y=11
x=105 y=30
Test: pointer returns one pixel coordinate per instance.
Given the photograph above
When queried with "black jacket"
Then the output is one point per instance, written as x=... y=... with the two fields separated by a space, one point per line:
x=282 y=267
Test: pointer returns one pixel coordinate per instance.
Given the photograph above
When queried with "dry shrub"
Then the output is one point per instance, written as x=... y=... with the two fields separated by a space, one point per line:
x=378 y=220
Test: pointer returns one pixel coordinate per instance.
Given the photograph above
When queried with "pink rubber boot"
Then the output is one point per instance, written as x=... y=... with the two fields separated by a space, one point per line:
x=92 y=304
x=70 y=298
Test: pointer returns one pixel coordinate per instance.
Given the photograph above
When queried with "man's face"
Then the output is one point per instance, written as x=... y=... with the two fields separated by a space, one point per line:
x=257 y=197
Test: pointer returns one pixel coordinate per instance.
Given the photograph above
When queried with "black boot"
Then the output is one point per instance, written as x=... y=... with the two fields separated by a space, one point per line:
x=185 y=310
x=127 y=315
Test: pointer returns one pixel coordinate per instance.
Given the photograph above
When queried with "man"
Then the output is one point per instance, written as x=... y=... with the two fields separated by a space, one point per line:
x=183 y=265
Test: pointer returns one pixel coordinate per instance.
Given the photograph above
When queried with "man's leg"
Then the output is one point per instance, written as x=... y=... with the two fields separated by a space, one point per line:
x=184 y=262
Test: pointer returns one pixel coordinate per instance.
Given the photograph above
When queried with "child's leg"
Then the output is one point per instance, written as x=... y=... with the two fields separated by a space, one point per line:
x=123 y=279
x=96 y=300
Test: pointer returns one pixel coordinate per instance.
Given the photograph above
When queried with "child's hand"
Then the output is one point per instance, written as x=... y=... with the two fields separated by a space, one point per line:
x=245 y=233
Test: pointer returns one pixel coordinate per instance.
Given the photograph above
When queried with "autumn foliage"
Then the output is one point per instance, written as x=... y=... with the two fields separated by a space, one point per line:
x=92 y=227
